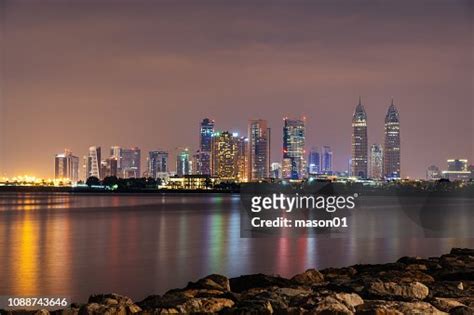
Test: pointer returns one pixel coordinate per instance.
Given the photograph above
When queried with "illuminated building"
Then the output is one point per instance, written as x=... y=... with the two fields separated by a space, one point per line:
x=189 y=182
x=157 y=163
x=66 y=165
x=457 y=170
x=276 y=170
x=376 y=161
x=116 y=152
x=243 y=159
x=391 y=153
x=109 y=167
x=131 y=163
x=314 y=161
x=203 y=156
x=433 y=173
x=259 y=149
x=183 y=164
x=225 y=155
x=93 y=162
x=326 y=160
x=359 y=142
x=293 y=164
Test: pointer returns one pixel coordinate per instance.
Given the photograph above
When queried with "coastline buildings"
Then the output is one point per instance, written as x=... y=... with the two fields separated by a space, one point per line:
x=131 y=163
x=294 y=164
x=376 y=162
x=157 y=163
x=66 y=165
x=229 y=156
x=433 y=173
x=391 y=151
x=183 y=164
x=259 y=150
x=203 y=156
x=359 y=142
x=93 y=162
x=326 y=160
x=314 y=161
x=457 y=170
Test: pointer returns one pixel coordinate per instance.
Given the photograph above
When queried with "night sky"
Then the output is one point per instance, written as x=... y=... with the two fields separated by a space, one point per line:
x=144 y=73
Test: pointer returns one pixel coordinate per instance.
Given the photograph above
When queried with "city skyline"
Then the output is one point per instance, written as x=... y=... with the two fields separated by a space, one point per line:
x=148 y=82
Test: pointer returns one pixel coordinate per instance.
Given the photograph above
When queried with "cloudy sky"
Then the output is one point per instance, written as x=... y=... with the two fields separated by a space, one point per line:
x=144 y=73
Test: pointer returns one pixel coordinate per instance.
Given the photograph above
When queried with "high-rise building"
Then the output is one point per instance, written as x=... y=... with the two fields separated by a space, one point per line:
x=203 y=156
x=157 y=163
x=276 y=170
x=259 y=149
x=93 y=162
x=66 y=165
x=131 y=162
x=225 y=156
x=326 y=160
x=376 y=161
x=391 y=153
x=359 y=142
x=294 y=163
x=116 y=152
x=458 y=169
x=314 y=161
x=109 y=167
x=243 y=159
x=183 y=163
x=433 y=173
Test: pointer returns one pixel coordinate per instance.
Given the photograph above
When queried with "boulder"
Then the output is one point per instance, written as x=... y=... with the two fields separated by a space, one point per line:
x=309 y=277
x=260 y=280
x=396 y=291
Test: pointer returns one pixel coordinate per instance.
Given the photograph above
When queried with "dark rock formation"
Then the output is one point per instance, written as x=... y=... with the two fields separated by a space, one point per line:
x=412 y=285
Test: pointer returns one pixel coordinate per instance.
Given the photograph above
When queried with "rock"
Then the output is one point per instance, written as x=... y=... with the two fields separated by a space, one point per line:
x=462 y=251
x=251 y=307
x=445 y=304
x=404 y=291
x=462 y=310
x=330 y=305
x=309 y=277
x=378 y=307
x=260 y=280
x=211 y=282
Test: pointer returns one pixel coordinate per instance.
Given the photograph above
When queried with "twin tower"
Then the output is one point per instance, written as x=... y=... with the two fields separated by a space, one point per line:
x=390 y=165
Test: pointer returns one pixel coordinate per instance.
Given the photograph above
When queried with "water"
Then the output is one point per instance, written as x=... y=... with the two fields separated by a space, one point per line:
x=137 y=245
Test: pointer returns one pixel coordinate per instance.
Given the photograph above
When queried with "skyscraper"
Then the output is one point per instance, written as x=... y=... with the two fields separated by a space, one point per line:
x=376 y=161
x=326 y=160
x=259 y=149
x=116 y=152
x=314 y=161
x=203 y=159
x=131 y=163
x=66 y=165
x=224 y=156
x=391 y=157
x=294 y=164
x=183 y=163
x=157 y=163
x=243 y=159
x=93 y=162
x=359 y=142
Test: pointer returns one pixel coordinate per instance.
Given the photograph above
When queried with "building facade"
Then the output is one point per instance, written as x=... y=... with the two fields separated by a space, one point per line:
x=376 y=161
x=259 y=149
x=93 y=162
x=183 y=163
x=225 y=156
x=203 y=156
x=391 y=157
x=66 y=166
x=131 y=163
x=326 y=160
x=359 y=142
x=294 y=163
x=157 y=163
x=314 y=161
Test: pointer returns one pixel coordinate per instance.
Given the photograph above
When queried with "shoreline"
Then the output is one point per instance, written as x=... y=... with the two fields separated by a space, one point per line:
x=411 y=285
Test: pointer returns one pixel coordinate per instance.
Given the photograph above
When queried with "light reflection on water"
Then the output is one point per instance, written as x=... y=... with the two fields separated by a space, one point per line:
x=56 y=244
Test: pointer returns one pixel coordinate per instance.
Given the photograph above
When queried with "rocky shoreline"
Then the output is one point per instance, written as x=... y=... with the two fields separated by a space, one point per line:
x=412 y=285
